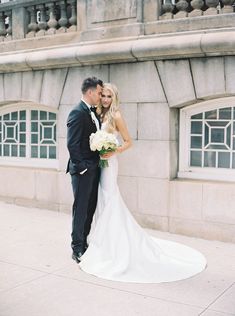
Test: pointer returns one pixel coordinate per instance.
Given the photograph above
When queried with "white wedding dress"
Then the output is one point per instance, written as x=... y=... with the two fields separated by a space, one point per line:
x=120 y=250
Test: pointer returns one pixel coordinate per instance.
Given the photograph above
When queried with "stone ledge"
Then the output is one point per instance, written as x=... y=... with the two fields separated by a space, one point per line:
x=129 y=49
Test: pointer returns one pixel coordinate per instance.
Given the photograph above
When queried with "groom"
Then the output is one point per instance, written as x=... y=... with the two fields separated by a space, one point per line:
x=83 y=163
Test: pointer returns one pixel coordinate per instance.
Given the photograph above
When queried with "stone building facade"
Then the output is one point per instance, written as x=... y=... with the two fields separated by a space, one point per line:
x=174 y=66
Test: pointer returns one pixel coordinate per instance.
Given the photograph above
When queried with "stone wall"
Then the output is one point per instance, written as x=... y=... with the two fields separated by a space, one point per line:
x=152 y=92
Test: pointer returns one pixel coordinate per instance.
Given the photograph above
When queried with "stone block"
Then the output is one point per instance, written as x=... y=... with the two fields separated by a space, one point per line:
x=152 y=221
x=18 y=183
x=174 y=124
x=52 y=87
x=146 y=159
x=132 y=84
x=229 y=63
x=103 y=11
x=174 y=158
x=64 y=111
x=71 y=93
x=1 y=88
x=177 y=81
x=129 y=111
x=129 y=190
x=46 y=183
x=186 y=227
x=208 y=76
x=12 y=86
x=218 y=202
x=153 y=196
x=153 y=121
x=186 y=200
x=65 y=192
x=32 y=85
x=63 y=154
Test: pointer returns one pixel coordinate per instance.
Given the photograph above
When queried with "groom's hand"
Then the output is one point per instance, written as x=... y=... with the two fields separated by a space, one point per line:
x=107 y=155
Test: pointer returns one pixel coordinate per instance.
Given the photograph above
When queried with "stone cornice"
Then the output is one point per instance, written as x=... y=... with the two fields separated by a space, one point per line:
x=129 y=49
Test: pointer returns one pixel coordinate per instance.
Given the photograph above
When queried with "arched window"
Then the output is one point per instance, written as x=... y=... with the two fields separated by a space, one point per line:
x=28 y=135
x=207 y=140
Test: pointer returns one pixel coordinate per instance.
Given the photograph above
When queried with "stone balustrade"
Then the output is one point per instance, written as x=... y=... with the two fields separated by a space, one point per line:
x=26 y=19
x=192 y=8
x=92 y=20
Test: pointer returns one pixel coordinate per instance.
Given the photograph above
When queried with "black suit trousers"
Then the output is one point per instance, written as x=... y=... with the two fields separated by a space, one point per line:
x=85 y=191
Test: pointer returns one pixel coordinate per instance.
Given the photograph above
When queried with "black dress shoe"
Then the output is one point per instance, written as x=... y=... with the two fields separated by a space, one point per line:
x=77 y=256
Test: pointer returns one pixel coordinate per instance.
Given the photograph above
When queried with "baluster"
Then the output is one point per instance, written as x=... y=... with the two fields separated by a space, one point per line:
x=228 y=6
x=73 y=18
x=52 y=23
x=196 y=5
x=182 y=6
x=33 y=26
x=42 y=24
x=212 y=4
x=63 y=21
x=167 y=8
x=9 y=28
x=3 y=31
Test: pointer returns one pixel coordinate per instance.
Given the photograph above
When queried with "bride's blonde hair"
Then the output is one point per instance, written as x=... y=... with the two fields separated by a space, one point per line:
x=114 y=107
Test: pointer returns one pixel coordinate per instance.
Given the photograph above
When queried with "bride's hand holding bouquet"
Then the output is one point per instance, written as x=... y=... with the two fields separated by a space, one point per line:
x=105 y=143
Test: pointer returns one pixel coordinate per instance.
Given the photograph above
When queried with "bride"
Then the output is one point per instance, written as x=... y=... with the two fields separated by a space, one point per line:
x=119 y=249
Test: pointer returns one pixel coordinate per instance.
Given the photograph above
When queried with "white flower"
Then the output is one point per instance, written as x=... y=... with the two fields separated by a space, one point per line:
x=103 y=142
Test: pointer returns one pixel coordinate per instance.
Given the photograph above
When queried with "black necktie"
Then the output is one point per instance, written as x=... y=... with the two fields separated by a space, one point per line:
x=93 y=109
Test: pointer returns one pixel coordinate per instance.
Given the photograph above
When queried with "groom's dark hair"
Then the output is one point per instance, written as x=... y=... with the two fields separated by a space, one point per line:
x=91 y=82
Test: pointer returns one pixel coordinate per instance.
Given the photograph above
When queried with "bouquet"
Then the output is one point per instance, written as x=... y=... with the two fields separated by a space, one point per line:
x=103 y=142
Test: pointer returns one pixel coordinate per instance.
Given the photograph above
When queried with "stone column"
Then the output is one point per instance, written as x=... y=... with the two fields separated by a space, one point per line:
x=19 y=22
x=152 y=9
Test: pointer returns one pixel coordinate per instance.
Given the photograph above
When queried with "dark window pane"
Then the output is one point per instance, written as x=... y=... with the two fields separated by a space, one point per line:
x=209 y=159
x=52 y=116
x=22 y=115
x=217 y=146
x=196 y=142
x=206 y=137
x=34 y=151
x=10 y=132
x=47 y=132
x=14 y=116
x=6 y=150
x=196 y=127
x=22 y=127
x=217 y=123
x=223 y=160
x=43 y=152
x=211 y=114
x=196 y=158
x=22 y=138
x=34 y=139
x=217 y=135
x=6 y=117
x=228 y=140
x=22 y=151
x=43 y=115
x=196 y=116
x=34 y=127
x=14 y=151
x=52 y=152
x=233 y=165
x=55 y=133
x=34 y=115
x=225 y=113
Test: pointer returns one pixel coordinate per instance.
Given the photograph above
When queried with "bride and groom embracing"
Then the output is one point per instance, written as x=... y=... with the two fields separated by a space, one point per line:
x=118 y=248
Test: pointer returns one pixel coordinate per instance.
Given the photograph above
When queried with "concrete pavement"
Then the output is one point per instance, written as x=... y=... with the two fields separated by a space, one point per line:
x=39 y=278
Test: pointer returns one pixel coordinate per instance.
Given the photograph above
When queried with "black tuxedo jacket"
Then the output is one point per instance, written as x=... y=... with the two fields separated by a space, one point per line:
x=80 y=126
